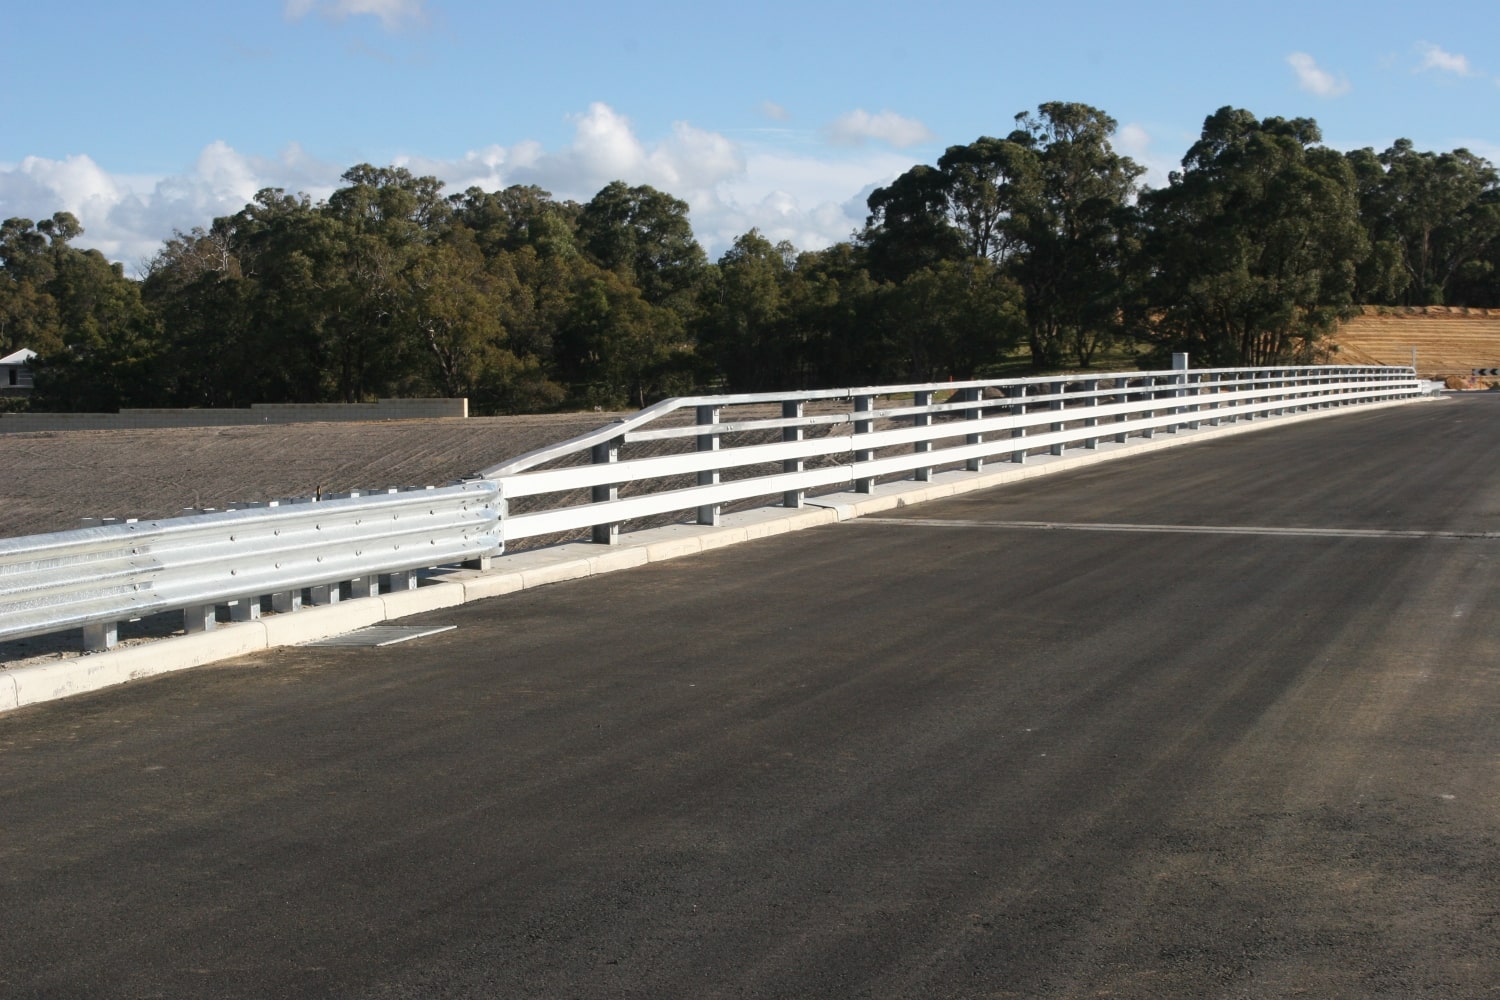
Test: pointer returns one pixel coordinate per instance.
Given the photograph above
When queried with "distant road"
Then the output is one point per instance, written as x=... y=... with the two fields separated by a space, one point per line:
x=1217 y=721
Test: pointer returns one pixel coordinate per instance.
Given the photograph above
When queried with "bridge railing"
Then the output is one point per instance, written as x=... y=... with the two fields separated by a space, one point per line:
x=687 y=458
x=701 y=454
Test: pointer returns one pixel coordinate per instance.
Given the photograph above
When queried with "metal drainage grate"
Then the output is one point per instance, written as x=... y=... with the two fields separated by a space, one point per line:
x=381 y=635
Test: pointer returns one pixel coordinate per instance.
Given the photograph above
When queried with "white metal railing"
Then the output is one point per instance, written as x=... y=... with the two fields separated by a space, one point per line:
x=97 y=577
x=597 y=481
x=695 y=454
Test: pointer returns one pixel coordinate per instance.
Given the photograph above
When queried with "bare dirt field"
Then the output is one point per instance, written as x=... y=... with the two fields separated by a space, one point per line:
x=51 y=480
x=1447 y=341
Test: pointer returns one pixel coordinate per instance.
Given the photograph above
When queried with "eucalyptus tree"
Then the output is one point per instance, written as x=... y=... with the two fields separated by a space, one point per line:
x=985 y=181
x=644 y=236
x=1255 y=242
x=78 y=311
x=1072 y=223
x=1433 y=214
x=909 y=226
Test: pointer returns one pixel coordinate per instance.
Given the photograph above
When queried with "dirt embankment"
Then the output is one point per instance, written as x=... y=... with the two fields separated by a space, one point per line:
x=1446 y=342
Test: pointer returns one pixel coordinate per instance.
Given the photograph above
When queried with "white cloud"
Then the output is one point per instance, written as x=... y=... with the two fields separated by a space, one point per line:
x=859 y=126
x=1434 y=58
x=1134 y=141
x=730 y=187
x=774 y=111
x=127 y=218
x=392 y=14
x=1314 y=79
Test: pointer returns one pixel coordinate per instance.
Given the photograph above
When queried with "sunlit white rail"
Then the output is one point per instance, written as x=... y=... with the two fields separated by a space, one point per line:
x=780 y=446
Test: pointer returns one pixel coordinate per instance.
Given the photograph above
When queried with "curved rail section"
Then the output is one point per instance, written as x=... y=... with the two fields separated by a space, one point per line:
x=693 y=454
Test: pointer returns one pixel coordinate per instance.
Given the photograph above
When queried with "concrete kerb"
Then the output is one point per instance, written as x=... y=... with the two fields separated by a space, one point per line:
x=30 y=685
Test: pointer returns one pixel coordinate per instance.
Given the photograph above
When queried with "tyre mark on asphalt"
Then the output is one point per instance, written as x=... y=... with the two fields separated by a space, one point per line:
x=1179 y=529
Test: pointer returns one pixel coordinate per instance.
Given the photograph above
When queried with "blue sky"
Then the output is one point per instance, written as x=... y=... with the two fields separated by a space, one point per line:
x=149 y=117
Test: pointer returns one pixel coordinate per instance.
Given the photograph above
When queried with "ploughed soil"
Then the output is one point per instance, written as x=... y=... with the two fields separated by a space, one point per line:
x=53 y=479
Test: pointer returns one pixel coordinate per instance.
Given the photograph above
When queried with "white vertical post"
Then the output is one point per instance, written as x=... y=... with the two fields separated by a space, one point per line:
x=1017 y=394
x=922 y=398
x=604 y=454
x=1059 y=402
x=792 y=410
x=707 y=417
x=864 y=405
x=1091 y=387
x=975 y=412
x=1180 y=366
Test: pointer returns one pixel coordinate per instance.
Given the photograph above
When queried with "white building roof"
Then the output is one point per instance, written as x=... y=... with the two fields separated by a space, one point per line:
x=19 y=358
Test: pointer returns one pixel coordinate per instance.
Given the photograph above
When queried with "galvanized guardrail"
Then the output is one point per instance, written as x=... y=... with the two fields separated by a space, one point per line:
x=882 y=432
x=693 y=454
x=94 y=578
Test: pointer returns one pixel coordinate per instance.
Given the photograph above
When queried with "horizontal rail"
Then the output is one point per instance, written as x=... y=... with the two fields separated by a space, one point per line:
x=885 y=431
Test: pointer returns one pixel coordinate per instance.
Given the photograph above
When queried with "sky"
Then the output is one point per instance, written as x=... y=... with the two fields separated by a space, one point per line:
x=157 y=116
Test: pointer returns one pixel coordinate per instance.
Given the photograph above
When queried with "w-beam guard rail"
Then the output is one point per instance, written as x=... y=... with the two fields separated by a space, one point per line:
x=96 y=577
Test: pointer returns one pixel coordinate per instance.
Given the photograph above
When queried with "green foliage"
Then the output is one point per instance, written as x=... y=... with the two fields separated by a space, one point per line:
x=1256 y=243
x=1075 y=225
x=1430 y=219
x=80 y=314
x=1039 y=241
x=644 y=236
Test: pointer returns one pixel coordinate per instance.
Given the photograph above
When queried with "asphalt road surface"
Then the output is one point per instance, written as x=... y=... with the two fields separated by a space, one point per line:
x=1240 y=741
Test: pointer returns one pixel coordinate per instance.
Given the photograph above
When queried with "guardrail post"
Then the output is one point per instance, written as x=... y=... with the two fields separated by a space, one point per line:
x=975 y=412
x=1059 y=404
x=608 y=452
x=364 y=586
x=98 y=638
x=1017 y=394
x=325 y=593
x=286 y=602
x=1179 y=365
x=1091 y=388
x=863 y=405
x=922 y=398
x=707 y=416
x=245 y=609
x=1150 y=386
x=199 y=618
x=1122 y=396
x=394 y=583
x=792 y=410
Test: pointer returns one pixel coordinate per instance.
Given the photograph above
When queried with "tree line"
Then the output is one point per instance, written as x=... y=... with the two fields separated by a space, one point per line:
x=1043 y=242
